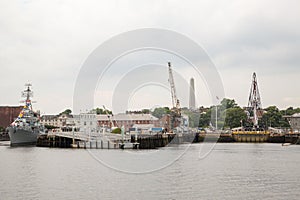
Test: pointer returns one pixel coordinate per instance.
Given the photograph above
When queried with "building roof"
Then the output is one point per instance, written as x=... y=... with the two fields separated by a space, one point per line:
x=126 y=117
x=143 y=126
x=296 y=115
x=48 y=117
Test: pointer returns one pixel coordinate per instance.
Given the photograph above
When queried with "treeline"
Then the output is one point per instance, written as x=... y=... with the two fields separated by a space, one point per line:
x=231 y=115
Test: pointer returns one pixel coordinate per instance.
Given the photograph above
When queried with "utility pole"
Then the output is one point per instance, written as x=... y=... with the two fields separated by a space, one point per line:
x=217 y=112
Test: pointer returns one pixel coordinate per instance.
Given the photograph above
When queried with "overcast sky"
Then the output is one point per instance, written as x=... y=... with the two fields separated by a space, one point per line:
x=46 y=43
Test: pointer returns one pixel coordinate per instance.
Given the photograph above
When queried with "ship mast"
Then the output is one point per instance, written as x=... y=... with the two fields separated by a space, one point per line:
x=27 y=94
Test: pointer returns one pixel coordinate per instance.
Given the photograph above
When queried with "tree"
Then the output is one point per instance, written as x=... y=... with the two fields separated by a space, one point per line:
x=100 y=111
x=116 y=131
x=272 y=117
x=228 y=103
x=67 y=112
x=159 y=112
x=234 y=117
x=290 y=111
x=193 y=117
x=145 y=111
x=205 y=118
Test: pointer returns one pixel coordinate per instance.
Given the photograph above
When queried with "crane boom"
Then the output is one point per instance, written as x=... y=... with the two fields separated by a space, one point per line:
x=110 y=118
x=175 y=101
x=254 y=103
x=172 y=84
x=175 y=114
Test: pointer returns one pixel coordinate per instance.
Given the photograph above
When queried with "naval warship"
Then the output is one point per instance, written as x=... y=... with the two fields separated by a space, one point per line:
x=26 y=128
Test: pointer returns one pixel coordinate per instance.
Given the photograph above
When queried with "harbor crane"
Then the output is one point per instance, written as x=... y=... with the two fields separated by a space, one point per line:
x=255 y=110
x=112 y=125
x=176 y=110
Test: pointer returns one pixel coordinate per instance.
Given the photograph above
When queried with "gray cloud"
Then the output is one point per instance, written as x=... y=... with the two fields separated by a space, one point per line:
x=46 y=42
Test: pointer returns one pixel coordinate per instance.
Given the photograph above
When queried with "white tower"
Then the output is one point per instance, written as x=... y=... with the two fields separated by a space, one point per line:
x=192 y=101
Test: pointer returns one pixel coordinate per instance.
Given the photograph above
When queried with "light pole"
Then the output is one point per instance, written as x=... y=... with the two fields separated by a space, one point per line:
x=216 y=117
x=217 y=112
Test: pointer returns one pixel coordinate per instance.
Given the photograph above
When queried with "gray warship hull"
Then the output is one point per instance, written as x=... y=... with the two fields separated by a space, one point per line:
x=22 y=137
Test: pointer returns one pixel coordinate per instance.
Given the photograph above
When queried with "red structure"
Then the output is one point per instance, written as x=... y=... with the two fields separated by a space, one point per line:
x=8 y=114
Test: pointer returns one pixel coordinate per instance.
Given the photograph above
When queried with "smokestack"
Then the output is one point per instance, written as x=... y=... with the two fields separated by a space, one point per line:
x=192 y=101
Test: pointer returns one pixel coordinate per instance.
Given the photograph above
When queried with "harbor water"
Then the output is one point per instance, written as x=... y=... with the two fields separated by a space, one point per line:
x=229 y=171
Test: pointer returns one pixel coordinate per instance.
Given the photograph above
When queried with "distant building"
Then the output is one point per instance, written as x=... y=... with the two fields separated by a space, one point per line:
x=51 y=120
x=8 y=114
x=57 y=120
x=127 y=120
x=86 y=122
x=294 y=121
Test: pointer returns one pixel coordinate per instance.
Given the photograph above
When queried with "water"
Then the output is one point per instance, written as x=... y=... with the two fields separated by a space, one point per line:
x=230 y=171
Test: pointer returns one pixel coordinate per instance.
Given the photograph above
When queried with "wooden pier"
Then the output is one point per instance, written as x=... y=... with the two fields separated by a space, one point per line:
x=150 y=141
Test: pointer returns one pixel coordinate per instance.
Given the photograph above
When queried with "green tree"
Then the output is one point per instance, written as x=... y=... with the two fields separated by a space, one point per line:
x=193 y=117
x=290 y=111
x=100 y=111
x=205 y=118
x=67 y=112
x=234 y=117
x=272 y=117
x=145 y=111
x=159 y=112
x=228 y=103
x=116 y=131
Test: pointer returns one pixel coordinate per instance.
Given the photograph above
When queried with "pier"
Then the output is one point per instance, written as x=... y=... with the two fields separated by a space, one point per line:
x=148 y=141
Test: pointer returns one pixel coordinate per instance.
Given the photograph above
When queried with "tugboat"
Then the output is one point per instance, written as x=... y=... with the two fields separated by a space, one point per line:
x=26 y=128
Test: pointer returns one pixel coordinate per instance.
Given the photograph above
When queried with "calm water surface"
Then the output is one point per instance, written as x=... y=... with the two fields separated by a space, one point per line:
x=230 y=171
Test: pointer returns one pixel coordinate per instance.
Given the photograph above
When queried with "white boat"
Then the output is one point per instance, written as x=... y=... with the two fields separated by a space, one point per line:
x=286 y=144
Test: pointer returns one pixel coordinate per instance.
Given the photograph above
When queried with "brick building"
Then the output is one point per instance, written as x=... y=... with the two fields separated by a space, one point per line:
x=8 y=114
x=127 y=120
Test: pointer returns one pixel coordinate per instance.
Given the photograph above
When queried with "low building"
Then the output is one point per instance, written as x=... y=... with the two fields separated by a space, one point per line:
x=126 y=120
x=60 y=121
x=294 y=121
x=50 y=120
x=86 y=122
x=8 y=114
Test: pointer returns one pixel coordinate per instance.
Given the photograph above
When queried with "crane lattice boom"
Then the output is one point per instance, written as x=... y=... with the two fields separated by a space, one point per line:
x=254 y=103
x=175 y=101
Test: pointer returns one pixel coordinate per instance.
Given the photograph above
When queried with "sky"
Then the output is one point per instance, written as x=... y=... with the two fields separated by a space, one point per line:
x=47 y=43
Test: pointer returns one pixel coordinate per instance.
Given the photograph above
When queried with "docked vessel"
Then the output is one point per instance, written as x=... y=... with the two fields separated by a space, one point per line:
x=26 y=128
